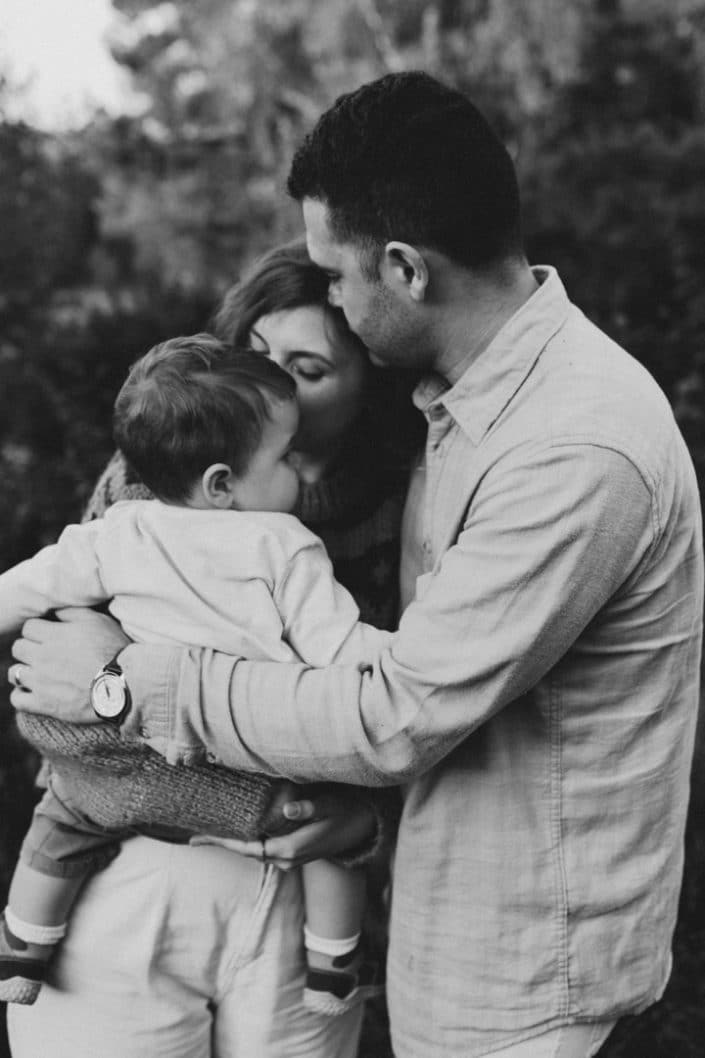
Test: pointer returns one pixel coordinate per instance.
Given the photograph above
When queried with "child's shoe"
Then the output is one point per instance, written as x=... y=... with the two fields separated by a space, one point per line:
x=350 y=980
x=22 y=967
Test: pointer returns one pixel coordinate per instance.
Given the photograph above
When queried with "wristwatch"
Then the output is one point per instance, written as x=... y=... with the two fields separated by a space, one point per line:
x=110 y=695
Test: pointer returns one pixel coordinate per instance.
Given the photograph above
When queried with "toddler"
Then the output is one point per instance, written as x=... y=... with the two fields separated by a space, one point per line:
x=214 y=561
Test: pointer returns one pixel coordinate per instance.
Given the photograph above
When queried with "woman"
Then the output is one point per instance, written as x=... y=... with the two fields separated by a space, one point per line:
x=195 y=951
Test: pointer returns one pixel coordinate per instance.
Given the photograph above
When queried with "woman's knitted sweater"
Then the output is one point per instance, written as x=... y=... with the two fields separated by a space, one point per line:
x=125 y=785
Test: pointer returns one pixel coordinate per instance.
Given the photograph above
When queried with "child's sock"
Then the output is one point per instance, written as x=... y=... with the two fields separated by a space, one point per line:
x=324 y=953
x=338 y=977
x=25 y=949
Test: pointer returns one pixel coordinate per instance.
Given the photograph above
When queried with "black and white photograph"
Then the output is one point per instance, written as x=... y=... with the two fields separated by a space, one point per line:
x=352 y=445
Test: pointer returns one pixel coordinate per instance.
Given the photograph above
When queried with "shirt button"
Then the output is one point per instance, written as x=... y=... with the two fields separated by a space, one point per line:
x=144 y=732
x=211 y=758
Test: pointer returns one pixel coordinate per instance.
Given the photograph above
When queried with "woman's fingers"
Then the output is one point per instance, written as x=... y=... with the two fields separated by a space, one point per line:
x=19 y=676
x=262 y=850
x=58 y=660
x=323 y=838
x=251 y=849
x=326 y=825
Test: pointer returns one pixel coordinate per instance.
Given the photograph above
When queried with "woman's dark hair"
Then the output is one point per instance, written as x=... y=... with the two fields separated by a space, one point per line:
x=284 y=278
x=406 y=157
x=190 y=402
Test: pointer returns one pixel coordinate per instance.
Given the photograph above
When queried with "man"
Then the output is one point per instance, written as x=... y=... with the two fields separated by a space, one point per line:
x=539 y=700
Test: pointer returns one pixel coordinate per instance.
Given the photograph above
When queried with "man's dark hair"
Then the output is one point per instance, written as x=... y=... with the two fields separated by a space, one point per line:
x=405 y=157
x=190 y=402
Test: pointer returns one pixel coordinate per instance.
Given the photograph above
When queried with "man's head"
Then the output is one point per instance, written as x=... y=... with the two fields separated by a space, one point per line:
x=205 y=426
x=396 y=173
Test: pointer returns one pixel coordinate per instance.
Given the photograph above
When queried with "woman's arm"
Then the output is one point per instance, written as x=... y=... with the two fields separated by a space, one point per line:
x=61 y=657
x=114 y=778
x=57 y=660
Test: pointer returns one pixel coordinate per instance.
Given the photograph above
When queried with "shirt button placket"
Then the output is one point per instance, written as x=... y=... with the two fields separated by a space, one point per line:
x=437 y=431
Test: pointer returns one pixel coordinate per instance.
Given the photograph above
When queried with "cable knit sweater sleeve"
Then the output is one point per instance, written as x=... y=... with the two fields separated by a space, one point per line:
x=121 y=784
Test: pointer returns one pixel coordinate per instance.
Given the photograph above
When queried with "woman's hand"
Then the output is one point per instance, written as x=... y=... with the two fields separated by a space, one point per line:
x=55 y=662
x=328 y=824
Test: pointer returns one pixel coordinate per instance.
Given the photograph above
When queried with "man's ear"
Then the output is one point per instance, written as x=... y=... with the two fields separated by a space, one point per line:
x=218 y=484
x=404 y=267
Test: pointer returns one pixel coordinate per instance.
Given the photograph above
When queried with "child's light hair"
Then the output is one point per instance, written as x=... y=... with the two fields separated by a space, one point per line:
x=190 y=402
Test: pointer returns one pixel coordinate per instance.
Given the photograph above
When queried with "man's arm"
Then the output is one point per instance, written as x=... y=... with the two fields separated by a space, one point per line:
x=57 y=660
x=545 y=544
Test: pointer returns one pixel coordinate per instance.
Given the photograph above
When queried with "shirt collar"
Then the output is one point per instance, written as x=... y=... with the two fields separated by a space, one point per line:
x=491 y=380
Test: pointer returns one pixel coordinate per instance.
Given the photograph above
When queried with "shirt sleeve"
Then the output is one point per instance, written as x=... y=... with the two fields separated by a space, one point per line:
x=547 y=540
x=321 y=619
x=66 y=573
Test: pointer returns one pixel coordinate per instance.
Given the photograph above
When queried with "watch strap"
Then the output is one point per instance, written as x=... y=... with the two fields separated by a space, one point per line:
x=114 y=665
x=113 y=668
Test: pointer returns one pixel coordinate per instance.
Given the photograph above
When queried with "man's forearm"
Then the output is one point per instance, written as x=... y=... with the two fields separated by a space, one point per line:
x=191 y=704
x=505 y=605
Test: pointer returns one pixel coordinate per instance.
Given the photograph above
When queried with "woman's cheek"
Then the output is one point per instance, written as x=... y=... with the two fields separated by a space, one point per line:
x=328 y=410
x=318 y=405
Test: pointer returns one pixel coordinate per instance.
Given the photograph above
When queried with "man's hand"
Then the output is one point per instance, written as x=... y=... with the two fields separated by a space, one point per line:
x=328 y=824
x=55 y=662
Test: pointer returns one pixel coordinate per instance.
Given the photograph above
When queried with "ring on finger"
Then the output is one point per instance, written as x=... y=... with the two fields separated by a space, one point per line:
x=16 y=678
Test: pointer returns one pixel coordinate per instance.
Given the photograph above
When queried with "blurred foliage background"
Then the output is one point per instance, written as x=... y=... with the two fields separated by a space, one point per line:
x=127 y=230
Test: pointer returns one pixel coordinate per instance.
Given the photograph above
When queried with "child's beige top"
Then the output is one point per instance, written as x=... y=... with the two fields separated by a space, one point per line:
x=253 y=584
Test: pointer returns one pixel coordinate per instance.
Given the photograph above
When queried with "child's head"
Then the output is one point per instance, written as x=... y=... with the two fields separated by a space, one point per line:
x=207 y=427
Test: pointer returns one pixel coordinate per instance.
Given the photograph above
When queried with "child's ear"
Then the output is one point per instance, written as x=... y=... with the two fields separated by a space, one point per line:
x=217 y=484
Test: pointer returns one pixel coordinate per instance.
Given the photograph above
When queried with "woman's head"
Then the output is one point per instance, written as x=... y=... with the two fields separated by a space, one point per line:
x=280 y=308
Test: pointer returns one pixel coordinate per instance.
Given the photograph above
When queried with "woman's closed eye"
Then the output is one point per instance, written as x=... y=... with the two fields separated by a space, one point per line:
x=306 y=370
x=301 y=365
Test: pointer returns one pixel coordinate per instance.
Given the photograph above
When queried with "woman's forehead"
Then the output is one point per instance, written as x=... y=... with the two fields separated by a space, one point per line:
x=293 y=326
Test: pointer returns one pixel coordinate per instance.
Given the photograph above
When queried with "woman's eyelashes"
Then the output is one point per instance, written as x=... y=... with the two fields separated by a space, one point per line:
x=305 y=370
x=299 y=364
x=305 y=366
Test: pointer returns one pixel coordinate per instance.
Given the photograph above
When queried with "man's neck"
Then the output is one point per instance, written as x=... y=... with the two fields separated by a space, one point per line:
x=476 y=313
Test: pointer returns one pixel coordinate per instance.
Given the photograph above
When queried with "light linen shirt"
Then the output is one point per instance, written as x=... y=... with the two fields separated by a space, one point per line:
x=539 y=699
x=254 y=583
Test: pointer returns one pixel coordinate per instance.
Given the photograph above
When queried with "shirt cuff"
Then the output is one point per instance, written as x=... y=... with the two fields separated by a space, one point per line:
x=151 y=671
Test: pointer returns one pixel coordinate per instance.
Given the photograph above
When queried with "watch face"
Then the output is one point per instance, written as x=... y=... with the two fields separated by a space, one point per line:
x=108 y=695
